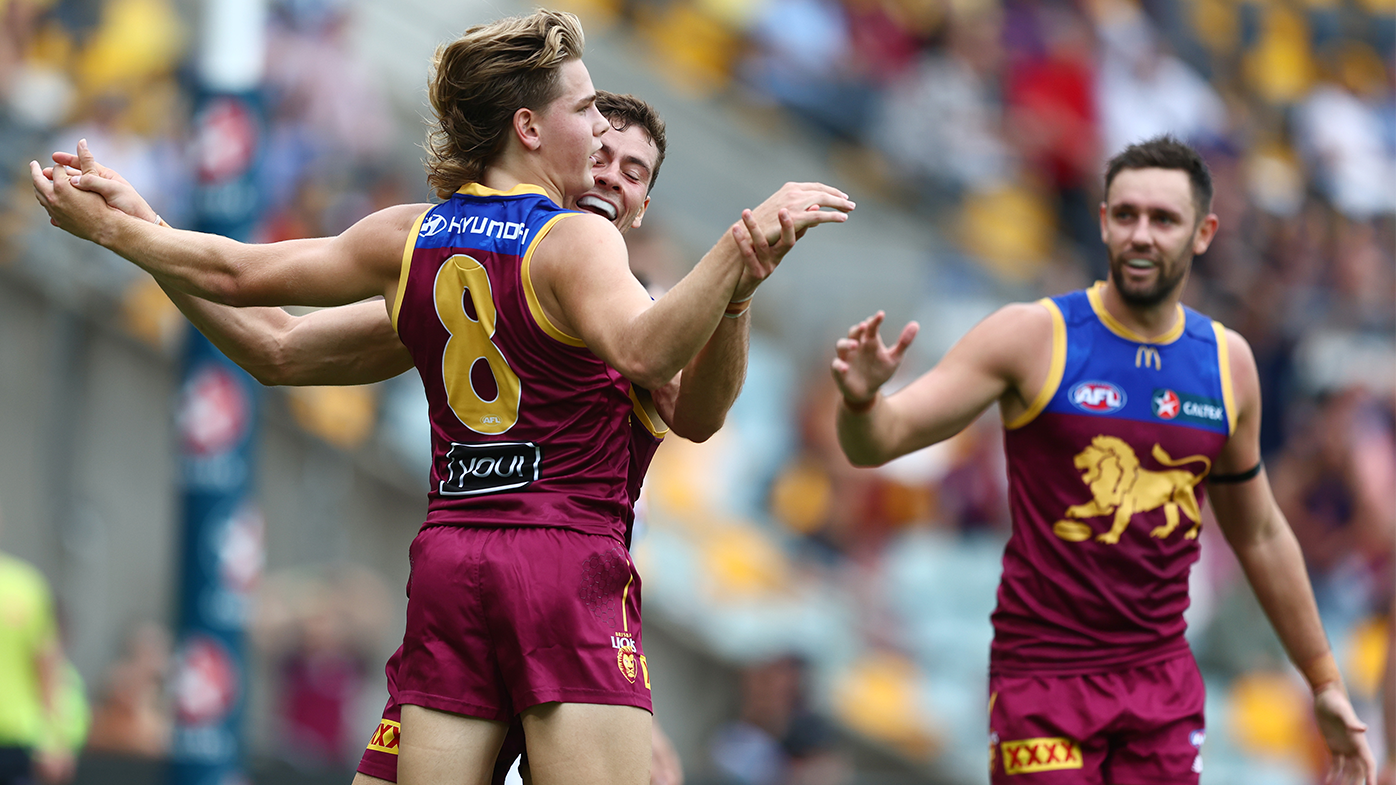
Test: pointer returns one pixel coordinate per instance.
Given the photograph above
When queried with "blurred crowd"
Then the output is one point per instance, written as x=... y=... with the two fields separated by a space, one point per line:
x=852 y=595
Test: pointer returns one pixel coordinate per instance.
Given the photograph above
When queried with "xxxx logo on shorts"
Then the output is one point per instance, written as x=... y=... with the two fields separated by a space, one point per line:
x=1029 y=756
x=386 y=737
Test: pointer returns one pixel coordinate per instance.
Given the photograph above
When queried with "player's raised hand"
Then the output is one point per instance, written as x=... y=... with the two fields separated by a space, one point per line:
x=809 y=204
x=1346 y=737
x=863 y=363
x=71 y=209
x=93 y=176
x=761 y=257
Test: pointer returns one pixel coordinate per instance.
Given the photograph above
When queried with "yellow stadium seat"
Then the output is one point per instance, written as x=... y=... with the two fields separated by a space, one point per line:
x=877 y=697
x=342 y=416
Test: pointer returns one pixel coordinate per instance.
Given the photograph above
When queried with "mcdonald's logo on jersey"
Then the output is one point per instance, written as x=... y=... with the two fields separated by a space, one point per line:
x=1148 y=357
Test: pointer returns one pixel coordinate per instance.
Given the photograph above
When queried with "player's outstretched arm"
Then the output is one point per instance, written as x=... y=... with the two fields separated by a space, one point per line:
x=994 y=361
x=344 y=345
x=585 y=286
x=1270 y=557
x=695 y=405
x=358 y=264
x=352 y=344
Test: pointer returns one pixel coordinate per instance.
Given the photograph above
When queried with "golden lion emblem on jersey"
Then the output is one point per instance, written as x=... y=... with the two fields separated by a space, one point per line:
x=1122 y=488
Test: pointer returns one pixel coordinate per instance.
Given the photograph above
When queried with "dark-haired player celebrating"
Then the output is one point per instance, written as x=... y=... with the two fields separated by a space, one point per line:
x=357 y=344
x=1118 y=405
x=531 y=335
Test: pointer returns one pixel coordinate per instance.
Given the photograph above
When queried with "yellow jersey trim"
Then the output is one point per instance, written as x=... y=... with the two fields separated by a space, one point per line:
x=532 y=296
x=407 y=264
x=475 y=189
x=625 y=597
x=654 y=424
x=1054 y=370
x=1116 y=327
x=1224 y=365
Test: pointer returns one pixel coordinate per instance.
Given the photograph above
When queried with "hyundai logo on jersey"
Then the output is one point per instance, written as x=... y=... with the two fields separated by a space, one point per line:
x=1098 y=397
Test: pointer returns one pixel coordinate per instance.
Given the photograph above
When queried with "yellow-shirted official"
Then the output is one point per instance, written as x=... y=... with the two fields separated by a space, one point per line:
x=44 y=718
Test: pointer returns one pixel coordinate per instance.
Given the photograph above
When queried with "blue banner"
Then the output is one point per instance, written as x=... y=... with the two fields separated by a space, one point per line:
x=222 y=553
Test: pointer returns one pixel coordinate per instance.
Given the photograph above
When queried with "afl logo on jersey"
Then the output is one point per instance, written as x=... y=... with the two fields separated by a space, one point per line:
x=1166 y=404
x=1098 y=397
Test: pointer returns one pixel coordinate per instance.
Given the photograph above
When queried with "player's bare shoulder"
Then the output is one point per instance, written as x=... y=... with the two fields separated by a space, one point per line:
x=574 y=245
x=1016 y=344
x=1015 y=336
x=378 y=239
x=1245 y=378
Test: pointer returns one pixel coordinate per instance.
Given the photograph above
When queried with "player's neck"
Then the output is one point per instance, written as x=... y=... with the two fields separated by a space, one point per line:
x=511 y=171
x=1150 y=321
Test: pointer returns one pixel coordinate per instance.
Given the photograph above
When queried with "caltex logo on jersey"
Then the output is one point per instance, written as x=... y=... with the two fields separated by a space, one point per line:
x=1166 y=404
x=1098 y=397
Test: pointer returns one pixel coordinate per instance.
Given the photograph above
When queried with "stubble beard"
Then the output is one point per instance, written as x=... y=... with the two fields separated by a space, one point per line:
x=1171 y=273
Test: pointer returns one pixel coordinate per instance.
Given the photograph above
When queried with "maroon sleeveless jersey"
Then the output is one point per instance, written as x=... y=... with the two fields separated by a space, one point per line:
x=528 y=427
x=1105 y=476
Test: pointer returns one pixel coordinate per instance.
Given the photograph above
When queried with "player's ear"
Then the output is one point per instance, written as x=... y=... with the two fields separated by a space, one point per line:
x=1206 y=230
x=525 y=125
x=1103 y=236
x=640 y=216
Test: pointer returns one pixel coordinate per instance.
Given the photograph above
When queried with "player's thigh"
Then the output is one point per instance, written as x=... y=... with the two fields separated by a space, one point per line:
x=1165 y=744
x=1043 y=730
x=439 y=747
x=363 y=779
x=588 y=744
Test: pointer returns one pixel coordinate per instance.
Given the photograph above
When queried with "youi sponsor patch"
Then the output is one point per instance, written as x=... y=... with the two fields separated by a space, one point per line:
x=1181 y=407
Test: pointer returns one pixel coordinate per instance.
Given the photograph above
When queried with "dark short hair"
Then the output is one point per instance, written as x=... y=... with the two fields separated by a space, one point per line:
x=626 y=110
x=1166 y=152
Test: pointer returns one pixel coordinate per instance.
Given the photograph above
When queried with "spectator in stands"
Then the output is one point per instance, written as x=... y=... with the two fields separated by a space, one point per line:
x=133 y=715
x=1333 y=485
x=777 y=739
x=320 y=629
x=1143 y=91
x=941 y=123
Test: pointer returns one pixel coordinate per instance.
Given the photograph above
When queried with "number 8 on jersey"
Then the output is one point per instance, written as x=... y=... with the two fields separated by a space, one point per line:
x=465 y=305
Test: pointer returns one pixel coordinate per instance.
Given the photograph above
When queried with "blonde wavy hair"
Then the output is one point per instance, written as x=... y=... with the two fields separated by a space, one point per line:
x=481 y=79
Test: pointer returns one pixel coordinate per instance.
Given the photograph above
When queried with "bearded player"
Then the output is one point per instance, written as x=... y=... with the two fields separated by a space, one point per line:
x=1120 y=407
x=530 y=334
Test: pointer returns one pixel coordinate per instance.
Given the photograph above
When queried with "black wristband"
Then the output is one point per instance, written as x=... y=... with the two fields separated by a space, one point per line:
x=1224 y=479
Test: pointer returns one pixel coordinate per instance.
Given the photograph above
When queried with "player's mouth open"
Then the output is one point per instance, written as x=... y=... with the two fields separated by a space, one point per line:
x=1140 y=264
x=595 y=204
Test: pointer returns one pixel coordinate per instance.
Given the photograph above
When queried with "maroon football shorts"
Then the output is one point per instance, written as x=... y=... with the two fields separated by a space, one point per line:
x=380 y=758
x=1140 y=726
x=501 y=619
